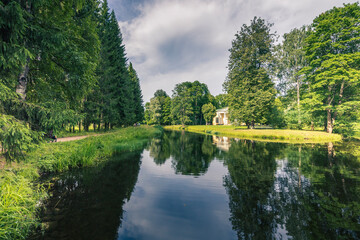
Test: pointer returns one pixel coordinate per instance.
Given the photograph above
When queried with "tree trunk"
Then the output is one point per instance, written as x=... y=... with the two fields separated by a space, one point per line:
x=79 y=126
x=252 y=124
x=340 y=98
x=298 y=101
x=23 y=81
x=329 y=122
x=73 y=128
x=312 y=126
x=329 y=125
x=299 y=180
x=94 y=126
x=331 y=153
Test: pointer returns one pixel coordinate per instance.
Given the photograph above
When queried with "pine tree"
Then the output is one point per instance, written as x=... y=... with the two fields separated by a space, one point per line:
x=137 y=102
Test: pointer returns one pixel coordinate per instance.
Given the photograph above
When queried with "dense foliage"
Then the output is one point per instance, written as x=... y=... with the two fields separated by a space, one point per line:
x=251 y=92
x=333 y=74
x=185 y=106
x=315 y=71
x=62 y=64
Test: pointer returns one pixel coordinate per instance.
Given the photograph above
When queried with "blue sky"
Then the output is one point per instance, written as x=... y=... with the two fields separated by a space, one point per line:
x=172 y=41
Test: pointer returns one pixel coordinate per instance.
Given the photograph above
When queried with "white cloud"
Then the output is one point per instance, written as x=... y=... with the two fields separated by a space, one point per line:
x=185 y=40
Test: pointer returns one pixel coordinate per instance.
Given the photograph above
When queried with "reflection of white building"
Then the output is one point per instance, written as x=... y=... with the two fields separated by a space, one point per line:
x=223 y=143
x=222 y=117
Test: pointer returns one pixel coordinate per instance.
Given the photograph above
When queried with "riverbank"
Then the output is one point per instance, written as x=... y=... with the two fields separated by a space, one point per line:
x=269 y=135
x=21 y=194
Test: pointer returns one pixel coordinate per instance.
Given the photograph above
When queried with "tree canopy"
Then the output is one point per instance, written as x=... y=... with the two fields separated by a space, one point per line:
x=332 y=50
x=250 y=89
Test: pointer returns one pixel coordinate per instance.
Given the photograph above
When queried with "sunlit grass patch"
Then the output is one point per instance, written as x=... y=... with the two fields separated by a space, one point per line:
x=274 y=135
x=59 y=157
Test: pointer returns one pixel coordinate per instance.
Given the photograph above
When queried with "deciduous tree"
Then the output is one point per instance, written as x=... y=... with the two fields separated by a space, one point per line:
x=334 y=61
x=209 y=112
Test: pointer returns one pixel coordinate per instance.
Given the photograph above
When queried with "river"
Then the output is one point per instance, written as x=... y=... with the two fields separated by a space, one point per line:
x=192 y=186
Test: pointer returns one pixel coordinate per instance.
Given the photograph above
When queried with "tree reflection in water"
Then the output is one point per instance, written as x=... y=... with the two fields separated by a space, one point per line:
x=87 y=203
x=275 y=191
x=250 y=181
x=306 y=192
x=190 y=154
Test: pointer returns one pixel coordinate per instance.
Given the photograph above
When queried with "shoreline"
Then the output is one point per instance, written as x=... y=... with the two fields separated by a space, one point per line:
x=264 y=135
x=21 y=194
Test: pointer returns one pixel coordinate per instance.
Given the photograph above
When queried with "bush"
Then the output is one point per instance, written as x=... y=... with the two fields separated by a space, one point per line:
x=15 y=137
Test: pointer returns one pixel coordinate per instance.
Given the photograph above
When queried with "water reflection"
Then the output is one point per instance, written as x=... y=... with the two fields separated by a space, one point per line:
x=303 y=191
x=223 y=143
x=192 y=186
x=87 y=203
x=306 y=192
x=250 y=180
x=190 y=154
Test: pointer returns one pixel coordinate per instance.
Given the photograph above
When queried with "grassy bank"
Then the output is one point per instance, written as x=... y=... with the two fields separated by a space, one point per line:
x=20 y=196
x=273 y=135
x=62 y=156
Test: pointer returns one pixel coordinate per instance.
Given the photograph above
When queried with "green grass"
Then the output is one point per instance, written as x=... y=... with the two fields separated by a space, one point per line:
x=62 y=156
x=357 y=131
x=273 y=135
x=65 y=133
x=20 y=197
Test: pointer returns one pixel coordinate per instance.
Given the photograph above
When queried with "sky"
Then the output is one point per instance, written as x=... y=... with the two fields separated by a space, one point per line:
x=172 y=41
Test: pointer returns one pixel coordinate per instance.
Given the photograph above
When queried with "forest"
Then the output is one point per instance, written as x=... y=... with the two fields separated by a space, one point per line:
x=308 y=80
x=62 y=64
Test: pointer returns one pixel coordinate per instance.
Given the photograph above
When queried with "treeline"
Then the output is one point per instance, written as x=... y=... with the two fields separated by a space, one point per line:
x=311 y=79
x=63 y=64
x=191 y=103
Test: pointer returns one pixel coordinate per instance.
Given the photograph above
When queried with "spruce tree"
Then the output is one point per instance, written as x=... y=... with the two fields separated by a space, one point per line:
x=49 y=54
x=114 y=79
x=137 y=101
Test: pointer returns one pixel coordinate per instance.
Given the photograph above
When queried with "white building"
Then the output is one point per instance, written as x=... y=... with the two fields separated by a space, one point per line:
x=222 y=117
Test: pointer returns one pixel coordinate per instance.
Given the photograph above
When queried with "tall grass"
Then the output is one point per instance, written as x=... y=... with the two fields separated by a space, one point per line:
x=273 y=135
x=62 y=156
x=19 y=199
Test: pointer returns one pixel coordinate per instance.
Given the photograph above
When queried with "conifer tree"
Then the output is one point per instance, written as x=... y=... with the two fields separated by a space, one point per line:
x=137 y=101
x=114 y=79
x=49 y=53
x=250 y=90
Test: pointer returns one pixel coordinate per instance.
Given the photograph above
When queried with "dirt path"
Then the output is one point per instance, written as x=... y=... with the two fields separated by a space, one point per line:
x=67 y=139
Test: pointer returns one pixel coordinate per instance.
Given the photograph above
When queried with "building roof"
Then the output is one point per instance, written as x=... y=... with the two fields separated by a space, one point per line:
x=223 y=109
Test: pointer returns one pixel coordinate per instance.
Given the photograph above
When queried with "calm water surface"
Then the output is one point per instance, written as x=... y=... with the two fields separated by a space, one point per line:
x=190 y=186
